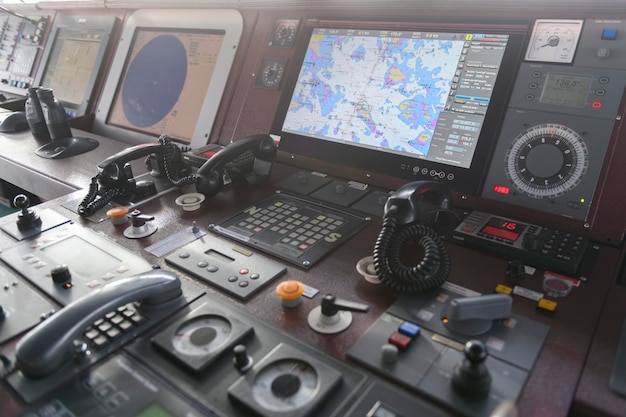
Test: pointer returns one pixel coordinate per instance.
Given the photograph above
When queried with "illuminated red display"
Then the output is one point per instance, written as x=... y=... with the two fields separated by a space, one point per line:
x=501 y=189
x=504 y=229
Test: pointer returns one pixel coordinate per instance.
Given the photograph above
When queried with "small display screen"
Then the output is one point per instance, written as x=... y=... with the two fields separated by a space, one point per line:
x=72 y=63
x=566 y=89
x=81 y=256
x=154 y=410
x=504 y=229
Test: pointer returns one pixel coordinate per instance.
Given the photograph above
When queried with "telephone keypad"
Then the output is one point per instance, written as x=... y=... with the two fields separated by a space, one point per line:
x=112 y=326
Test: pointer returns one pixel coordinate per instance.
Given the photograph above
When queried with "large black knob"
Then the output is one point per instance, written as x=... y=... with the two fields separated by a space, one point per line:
x=61 y=274
x=471 y=377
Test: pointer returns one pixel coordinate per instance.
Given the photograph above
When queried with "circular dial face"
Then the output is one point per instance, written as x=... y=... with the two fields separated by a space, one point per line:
x=270 y=73
x=285 y=385
x=546 y=160
x=285 y=31
x=554 y=40
x=201 y=335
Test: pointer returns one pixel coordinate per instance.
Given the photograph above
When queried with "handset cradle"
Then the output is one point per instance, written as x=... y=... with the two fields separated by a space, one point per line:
x=51 y=344
x=210 y=176
x=115 y=176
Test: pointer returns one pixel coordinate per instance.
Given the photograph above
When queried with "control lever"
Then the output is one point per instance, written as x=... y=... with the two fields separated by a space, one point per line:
x=471 y=376
x=140 y=228
x=334 y=314
x=472 y=316
x=28 y=218
x=242 y=361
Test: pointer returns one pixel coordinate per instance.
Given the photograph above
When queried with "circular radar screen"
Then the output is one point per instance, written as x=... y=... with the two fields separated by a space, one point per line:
x=546 y=161
x=154 y=81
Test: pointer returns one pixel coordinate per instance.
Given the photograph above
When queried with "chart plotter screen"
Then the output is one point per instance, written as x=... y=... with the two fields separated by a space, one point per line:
x=404 y=102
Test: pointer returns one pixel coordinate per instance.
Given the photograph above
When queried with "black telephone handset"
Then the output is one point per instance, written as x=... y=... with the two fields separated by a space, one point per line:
x=51 y=344
x=210 y=176
x=409 y=213
x=113 y=172
x=115 y=176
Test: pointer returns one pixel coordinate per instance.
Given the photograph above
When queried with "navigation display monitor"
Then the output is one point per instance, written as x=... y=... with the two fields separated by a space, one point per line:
x=73 y=60
x=169 y=75
x=411 y=104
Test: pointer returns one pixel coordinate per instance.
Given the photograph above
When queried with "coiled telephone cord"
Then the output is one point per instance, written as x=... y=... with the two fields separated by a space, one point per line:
x=430 y=273
x=168 y=156
x=89 y=205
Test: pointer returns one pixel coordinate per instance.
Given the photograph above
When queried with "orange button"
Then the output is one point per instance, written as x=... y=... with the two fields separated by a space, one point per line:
x=117 y=212
x=290 y=290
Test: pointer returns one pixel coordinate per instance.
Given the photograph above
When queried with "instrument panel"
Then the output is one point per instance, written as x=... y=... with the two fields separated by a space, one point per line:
x=212 y=358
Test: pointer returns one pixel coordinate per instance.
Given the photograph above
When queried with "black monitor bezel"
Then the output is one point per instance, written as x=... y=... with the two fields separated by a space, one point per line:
x=338 y=158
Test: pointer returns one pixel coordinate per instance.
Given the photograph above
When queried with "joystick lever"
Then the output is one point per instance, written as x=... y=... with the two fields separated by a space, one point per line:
x=471 y=376
x=472 y=316
x=334 y=314
x=28 y=218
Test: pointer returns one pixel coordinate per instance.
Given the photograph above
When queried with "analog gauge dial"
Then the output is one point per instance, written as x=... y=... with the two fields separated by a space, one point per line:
x=284 y=34
x=271 y=72
x=554 y=40
x=546 y=160
x=285 y=385
x=201 y=335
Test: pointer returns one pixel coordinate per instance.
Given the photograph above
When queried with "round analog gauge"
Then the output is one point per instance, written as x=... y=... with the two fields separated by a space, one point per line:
x=546 y=160
x=201 y=335
x=285 y=31
x=554 y=40
x=271 y=73
x=285 y=385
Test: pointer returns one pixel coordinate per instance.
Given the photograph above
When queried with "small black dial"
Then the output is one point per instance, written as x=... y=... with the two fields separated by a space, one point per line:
x=284 y=34
x=271 y=73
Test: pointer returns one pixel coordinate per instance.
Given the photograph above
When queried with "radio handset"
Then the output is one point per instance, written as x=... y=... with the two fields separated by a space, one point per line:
x=115 y=176
x=114 y=171
x=409 y=213
x=210 y=176
x=51 y=344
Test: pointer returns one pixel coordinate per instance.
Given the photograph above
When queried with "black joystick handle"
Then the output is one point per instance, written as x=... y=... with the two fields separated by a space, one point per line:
x=28 y=218
x=471 y=377
x=331 y=305
x=241 y=359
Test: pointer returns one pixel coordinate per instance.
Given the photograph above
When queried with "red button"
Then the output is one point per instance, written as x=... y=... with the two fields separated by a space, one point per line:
x=596 y=104
x=400 y=340
x=244 y=271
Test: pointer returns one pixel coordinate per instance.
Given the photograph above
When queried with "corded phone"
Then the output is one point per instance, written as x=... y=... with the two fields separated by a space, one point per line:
x=51 y=344
x=115 y=178
x=408 y=215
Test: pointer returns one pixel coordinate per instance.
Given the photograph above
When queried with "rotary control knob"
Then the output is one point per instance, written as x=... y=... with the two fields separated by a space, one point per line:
x=61 y=274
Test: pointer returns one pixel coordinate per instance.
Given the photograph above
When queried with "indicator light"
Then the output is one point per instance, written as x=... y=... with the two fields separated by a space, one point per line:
x=501 y=189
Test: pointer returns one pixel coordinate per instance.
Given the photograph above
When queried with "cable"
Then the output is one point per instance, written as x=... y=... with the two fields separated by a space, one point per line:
x=168 y=154
x=430 y=273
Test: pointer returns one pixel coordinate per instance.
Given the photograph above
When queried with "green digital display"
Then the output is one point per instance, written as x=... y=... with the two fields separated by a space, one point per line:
x=154 y=410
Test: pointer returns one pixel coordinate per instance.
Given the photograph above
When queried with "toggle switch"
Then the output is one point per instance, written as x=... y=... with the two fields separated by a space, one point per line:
x=472 y=316
x=334 y=315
